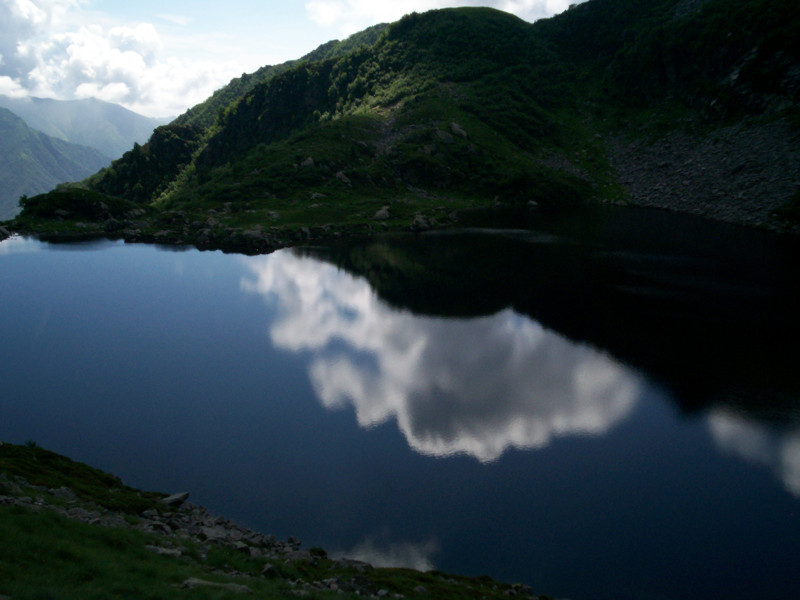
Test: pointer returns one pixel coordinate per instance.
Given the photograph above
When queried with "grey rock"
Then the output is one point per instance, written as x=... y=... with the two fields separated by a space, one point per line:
x=382 y=214
x=193 y=583
x=421 y=222
x=214 y=534
x=81 y=514
x=307 y=163
x=458 y=130
x=350 y=563
x=270 y=572
x=174 y=552
x=300 y=556
x=521 y=588
x=243 y=548
x=63 y=492
x=444 y=136
x=176 y=499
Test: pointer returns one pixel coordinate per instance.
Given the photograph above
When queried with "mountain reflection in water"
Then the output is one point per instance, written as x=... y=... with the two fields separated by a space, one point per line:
x=475 y=386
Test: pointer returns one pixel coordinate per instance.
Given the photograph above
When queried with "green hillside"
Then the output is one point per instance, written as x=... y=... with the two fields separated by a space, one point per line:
x=408 y=125
x=32 y=162
x=204 y=115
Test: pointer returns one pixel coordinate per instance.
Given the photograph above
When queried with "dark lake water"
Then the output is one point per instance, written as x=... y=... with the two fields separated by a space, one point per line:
x=601 y=406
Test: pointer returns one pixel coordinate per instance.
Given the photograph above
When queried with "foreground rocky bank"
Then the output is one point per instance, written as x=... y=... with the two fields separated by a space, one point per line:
x=34 y=481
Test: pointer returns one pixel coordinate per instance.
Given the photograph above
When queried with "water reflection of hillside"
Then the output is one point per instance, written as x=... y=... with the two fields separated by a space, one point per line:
x=707 y=308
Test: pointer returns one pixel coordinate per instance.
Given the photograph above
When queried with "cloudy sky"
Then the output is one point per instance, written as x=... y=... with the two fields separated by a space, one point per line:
x=160 y=57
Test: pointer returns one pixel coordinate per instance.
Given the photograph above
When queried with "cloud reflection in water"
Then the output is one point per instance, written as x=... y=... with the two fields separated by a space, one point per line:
x=472 y=386
x=759 y=445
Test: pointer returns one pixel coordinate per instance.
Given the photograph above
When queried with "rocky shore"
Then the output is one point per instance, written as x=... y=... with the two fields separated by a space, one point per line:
x=178 y=528
x=742 y=173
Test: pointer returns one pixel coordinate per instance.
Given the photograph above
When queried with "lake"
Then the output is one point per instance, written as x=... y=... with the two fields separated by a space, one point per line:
x=601 y=405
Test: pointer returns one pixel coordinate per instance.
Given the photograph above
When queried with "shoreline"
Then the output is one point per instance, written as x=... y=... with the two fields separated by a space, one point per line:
x=174 y=531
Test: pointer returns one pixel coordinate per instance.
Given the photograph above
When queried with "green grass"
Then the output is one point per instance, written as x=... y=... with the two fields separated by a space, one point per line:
x=42 y=467
x=47 y=556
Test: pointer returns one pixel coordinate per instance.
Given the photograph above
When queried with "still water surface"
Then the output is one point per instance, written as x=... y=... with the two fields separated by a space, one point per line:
x=603 y=407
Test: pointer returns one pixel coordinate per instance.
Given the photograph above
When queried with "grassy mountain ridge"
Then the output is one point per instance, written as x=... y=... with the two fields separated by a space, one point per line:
x=457 y=108
x=32 y=162
x=410 y=110
x=206 y=113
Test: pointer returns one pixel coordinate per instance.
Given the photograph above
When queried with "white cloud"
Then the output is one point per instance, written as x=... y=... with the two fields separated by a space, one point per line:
x=19 y=245
x=46 y=54
x=757 y=444
x=520 y=387
x=11 y=87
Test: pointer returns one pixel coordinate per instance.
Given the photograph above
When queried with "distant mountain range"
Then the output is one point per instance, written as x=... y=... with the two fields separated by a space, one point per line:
x=32 y=162
x=45 y=142
x=692 y=105
x=108 y=128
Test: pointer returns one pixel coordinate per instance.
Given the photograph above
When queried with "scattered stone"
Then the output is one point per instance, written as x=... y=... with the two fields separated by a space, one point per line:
x=307 y=163
x=64 y=493
x=243 y=548
x=193 y=583
x=382 y=214
x=176 y=499
x=350 y=563
x=300 y=556
x=343 y=178
x=174 y=552
x=270 y=572
x=213 y=534
x=421 y=590
x=458 y=130
x=740 y=173
x=446 y=137
x=522 y=589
